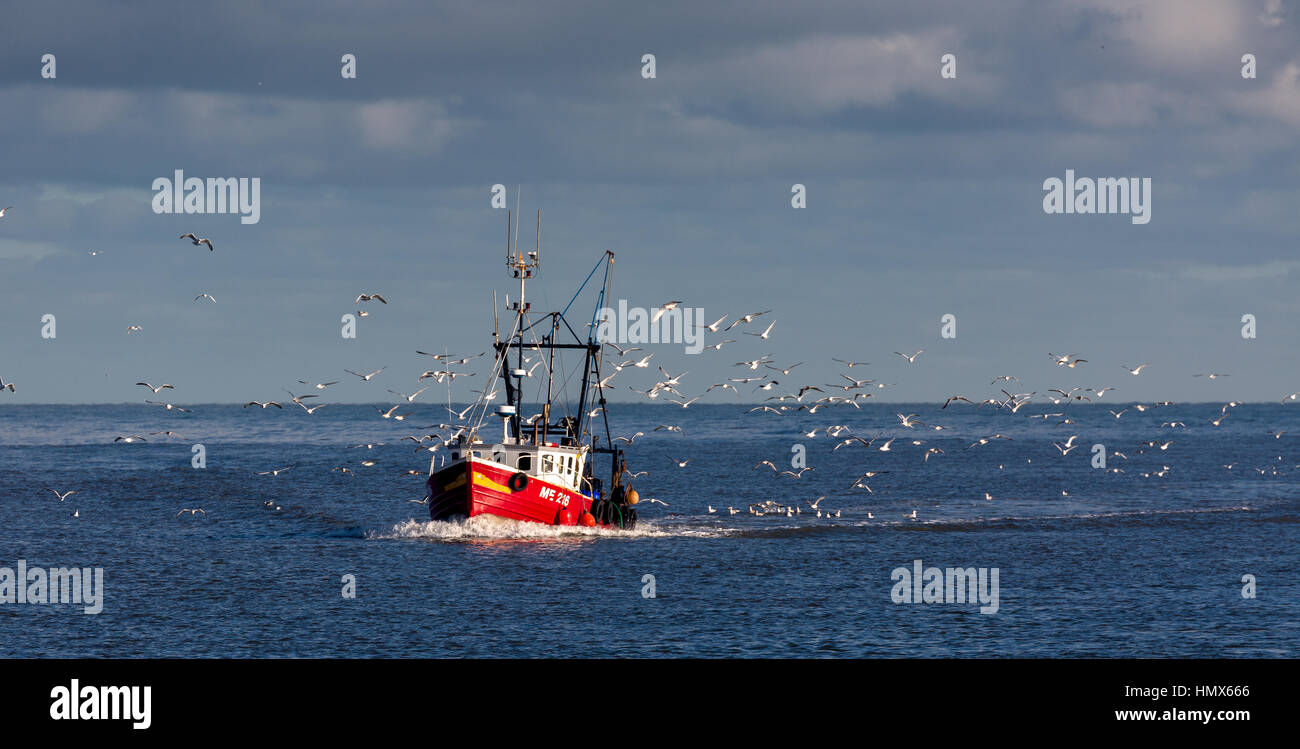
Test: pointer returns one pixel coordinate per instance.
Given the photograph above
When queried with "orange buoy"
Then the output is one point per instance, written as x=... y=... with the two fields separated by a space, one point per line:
x=632 y=497
x=587 y=520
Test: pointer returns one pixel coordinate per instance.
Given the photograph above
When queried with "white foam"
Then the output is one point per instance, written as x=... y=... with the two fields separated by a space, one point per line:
x=493 y=527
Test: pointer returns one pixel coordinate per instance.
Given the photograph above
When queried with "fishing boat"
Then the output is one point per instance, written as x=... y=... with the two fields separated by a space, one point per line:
x=541 y=467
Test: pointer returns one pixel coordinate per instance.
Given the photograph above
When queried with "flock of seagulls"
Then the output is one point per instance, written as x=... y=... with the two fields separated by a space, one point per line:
x=809 y=397
x=852 y=391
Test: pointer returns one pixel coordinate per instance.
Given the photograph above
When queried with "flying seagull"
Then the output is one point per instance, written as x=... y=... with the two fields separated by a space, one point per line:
x=910 y=359
x=198 y=240
x=156 y=390
x=366 y=377
x=666 y=306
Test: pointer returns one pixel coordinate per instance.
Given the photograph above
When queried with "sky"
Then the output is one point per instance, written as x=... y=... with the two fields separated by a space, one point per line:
x=924 y=194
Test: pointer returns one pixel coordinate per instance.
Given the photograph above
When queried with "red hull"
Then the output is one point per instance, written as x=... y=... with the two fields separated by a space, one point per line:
x=474 y=487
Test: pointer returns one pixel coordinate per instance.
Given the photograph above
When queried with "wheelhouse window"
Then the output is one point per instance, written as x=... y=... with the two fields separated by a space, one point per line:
x=548 y=464
x=525 y=462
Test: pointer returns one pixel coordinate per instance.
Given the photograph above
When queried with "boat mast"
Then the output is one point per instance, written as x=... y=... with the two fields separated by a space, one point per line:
x=522 y=265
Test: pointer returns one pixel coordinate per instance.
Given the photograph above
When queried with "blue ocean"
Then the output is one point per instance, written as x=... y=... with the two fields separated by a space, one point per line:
x=1187 y=551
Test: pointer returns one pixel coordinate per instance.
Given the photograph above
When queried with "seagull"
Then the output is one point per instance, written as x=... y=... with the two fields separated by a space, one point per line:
x=652 y=500
x=168 y=433
x=369 y=297
x=64 y=495
x=318 y=385
x=207 y=296
x=263 y=404
x=785 y=371
x=158 y=389
x=1212 y=375
x=629 y=440
x=666 y=306
x=7 y=386
x=851 y=364
x=667 y=428
x=712 y=328
x=409 y=398
x=132 y=438
x=193 y=512
x=767 y=463
x=133 y=329
x=1135 y=371
x=4 y=210
x=681 y=463
x=765 y=333
x=168 y=406
x=746 y=319
x=909 y=420
x=198 y=240
x=313 y=409
x=621 y=351
x=955 y=398
x=910 y=359
x=798 y=475
x=366 y=377
x=275 y=472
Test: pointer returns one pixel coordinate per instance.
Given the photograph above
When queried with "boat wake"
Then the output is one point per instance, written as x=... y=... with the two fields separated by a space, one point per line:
x=492 y=527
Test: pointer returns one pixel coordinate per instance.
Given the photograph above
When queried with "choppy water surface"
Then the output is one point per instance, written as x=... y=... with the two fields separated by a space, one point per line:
x=1091 y=563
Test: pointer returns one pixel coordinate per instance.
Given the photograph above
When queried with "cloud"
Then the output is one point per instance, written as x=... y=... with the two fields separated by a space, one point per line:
x=405 y=125
x=16 y=249
x=817 y=75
